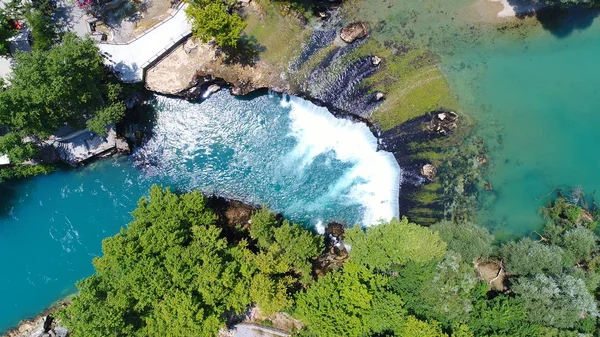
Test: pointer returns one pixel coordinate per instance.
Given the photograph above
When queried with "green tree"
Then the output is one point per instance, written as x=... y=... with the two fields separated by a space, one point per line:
x=66 y=84
x=6 y=32
x=396 y=242
x=261 y=227
x=43 y=28
x=580 y=242
x=416 y=328
x=449 y=292
x=527 y=257
x=173 y=272
x=270 y=295
x=467 y=239
x=12 y=145
x=559 y=301
x=213 y=21
x=501 y=316
x=345 y=302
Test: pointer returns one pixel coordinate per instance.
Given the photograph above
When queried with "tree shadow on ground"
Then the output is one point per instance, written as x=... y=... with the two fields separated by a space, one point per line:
x=559 y=21
x=246 y=53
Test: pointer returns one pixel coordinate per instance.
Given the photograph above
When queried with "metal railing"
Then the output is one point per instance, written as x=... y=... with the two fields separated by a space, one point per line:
x=177 y=9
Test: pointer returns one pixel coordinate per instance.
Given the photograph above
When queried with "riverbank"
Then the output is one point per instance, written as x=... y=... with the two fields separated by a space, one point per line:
x=43 y=325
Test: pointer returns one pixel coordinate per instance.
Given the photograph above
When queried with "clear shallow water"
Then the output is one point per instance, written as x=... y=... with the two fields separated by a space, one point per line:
x=285 y=153
x=536 y=103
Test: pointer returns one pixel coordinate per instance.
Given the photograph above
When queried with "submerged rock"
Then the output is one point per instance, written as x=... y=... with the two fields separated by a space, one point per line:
x=428 y=171
x=354 y=31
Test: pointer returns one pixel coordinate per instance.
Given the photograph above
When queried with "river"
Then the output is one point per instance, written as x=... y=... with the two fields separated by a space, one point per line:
x=532 y=92
x=278 y=151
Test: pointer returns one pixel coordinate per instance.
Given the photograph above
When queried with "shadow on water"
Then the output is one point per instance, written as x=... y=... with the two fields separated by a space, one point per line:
x=8 y=193
x=560 y=21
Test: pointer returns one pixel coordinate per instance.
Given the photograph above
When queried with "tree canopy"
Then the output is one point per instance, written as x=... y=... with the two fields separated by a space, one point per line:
x=6 y=32
x=66 y=84
x=212 y=20
x=469 y=240
x=393 y=243
x=176 y=270
x=173 y=272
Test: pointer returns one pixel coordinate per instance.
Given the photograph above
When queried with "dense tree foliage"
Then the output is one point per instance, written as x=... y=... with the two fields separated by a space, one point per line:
x=528 y=257
x=175 y=271
x=66 y=84
x=559 y=301
x=43 y=28
x=395 y=243
x=172 y=272
x=212 y=20
x=12 y=145
x=467 y=239
x=352 y=302
x=6 y=32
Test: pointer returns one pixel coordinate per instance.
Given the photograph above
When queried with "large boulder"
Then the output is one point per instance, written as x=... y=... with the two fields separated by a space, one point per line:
x=354 y=31
x=428 y=171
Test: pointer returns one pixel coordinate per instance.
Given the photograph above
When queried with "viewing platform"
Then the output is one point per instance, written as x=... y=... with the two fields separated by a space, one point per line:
x=129 y=60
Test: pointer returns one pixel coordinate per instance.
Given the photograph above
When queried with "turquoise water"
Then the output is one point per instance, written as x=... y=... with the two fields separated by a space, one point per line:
x=536 y=101
x=277 y=151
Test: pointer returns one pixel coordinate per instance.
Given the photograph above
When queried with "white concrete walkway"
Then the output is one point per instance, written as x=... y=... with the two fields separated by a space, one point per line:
x=129 y=60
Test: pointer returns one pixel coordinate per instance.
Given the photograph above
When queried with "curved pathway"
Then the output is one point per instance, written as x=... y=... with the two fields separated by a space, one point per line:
x=130 y=59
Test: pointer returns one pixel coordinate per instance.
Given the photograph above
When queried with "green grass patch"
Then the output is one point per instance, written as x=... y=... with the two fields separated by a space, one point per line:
x=278 y=34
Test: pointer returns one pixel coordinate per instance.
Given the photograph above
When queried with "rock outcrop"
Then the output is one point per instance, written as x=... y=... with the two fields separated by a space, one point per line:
x=193 y=62
x=354 y=31
x=444 y=122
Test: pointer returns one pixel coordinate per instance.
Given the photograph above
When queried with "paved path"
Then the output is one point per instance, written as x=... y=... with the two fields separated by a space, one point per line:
x=129 y=60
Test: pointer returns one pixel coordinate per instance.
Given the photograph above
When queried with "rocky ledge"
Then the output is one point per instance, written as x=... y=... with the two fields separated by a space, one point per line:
x=194 y=63
x=44 y=325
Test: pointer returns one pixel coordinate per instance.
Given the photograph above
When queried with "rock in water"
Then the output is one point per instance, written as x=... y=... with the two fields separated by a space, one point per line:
x=379 y=96
x=428 y=171
x=354 y=31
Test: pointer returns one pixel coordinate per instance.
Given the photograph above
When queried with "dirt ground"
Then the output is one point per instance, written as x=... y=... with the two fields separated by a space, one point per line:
x=133 y=18
x=492 y=273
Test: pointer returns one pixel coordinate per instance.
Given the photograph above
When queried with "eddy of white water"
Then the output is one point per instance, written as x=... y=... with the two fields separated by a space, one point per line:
x=374 y=179
x=278 y=151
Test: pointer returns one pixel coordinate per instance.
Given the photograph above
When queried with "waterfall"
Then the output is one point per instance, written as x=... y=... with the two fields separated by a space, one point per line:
x=375 y=176
x=279 y=151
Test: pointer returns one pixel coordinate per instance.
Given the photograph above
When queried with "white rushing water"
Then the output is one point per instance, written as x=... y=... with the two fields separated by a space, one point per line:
x=375 y=177
x=282 y=152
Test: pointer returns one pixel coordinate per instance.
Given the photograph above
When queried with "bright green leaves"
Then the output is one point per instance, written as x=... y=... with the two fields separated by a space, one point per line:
x=394 y=243
x=351 y=302
x=213 y=21
x=65 y=84
x=173 y=272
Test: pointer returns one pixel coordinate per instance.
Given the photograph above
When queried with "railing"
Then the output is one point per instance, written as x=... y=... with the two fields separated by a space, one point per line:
x=177 y=9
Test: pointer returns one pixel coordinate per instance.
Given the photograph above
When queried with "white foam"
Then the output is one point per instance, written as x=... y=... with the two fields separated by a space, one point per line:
x=375 y=176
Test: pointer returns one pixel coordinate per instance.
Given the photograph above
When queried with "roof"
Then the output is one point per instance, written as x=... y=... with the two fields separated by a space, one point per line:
x=4 y=159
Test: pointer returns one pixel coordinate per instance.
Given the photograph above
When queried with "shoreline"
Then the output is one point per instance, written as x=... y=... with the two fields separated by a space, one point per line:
x=30 y=325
